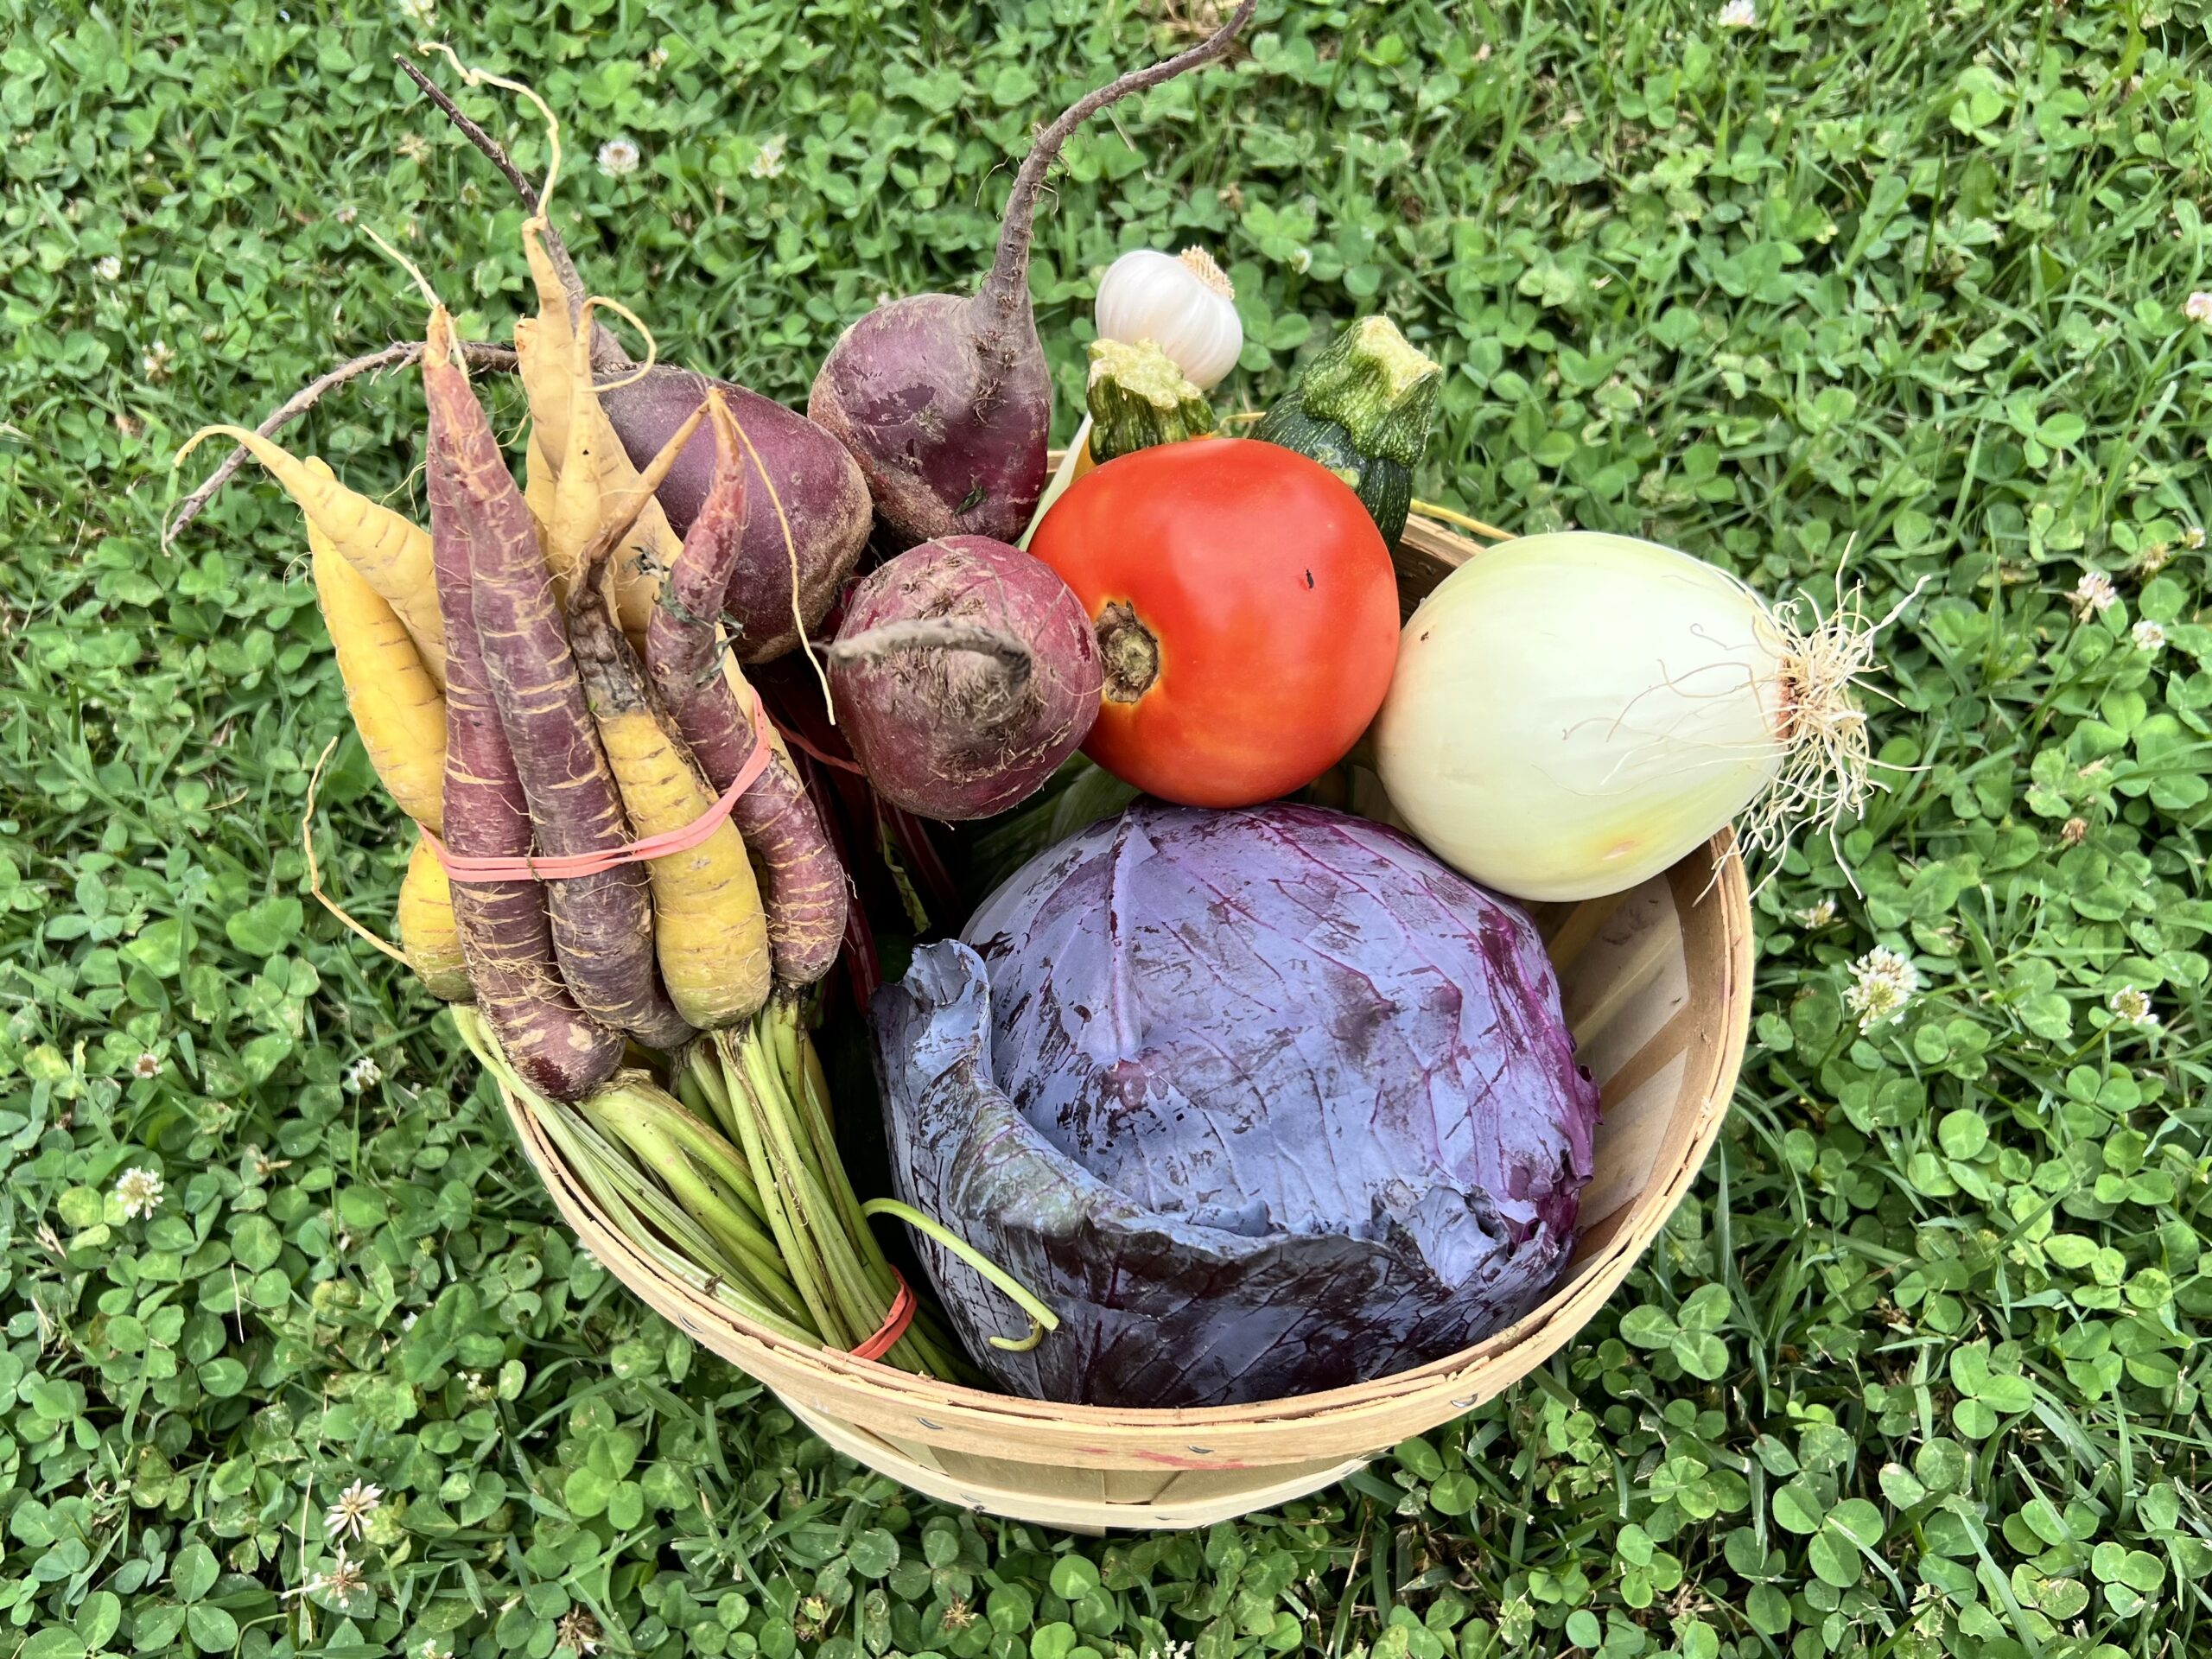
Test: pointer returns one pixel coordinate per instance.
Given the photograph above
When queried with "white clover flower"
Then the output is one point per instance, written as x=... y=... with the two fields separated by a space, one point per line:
x=148 y=1064
x=2197 y=307
x=347 y=214
x=656 y=60
x=1882 y=982
x=419 y=13
x=140 y=1191
x=349 y=1515
x=2132 y=1007
x=158 y=360
x=769 y=163
x=345 y=1577
x=578 y=1631
x=2148 y=636
x=108 y=270
x=1301 y=260
x=2193 y=538
x=2074 y=832
x=1738 y=14
x=1817 y=916
x=2094 y=594
x=415 y=147
x=364 y=1073
x=618 y=158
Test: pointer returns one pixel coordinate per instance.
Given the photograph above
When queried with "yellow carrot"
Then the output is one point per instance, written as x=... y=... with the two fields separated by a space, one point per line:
x=599 y=499
x=539 y=478
x=392 y=552
x=544 y=469
x=600 y=487
x=541 y=344
x=428 y=934
x=399 y=712
x=542 y=356
x=711 y=935
x=579 y=504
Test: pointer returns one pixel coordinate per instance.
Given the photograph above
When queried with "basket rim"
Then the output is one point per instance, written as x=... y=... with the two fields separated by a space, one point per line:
x=1714 y=867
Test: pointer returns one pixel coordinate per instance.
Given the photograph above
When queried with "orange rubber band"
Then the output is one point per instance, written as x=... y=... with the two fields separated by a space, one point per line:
x=566 y=867
x=894 y=1323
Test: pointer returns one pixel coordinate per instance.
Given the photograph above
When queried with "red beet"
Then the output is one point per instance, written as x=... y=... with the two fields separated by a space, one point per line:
x=945 y=402
x=824 y=499
x=964 y=673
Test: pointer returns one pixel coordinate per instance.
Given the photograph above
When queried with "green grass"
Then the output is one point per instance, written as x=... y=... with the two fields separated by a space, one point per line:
x=1916 y=1369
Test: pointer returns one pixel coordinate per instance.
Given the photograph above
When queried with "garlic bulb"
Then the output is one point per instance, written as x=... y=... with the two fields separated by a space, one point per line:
x=1183 y=301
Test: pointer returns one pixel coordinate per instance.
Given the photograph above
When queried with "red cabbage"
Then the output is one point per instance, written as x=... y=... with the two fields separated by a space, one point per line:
x=1260 y=1102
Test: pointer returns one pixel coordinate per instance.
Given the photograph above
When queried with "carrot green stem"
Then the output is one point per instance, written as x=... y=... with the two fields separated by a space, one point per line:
x=692 y=1092
x=642 y=1211
x=707 y=1149
x=1041 y=1317
x=810 y=1204
x=800 y=1257
x=774 y=1052
x=802 y=1076
x=701 y=1067
x=706 y=1178
x=766 y=1221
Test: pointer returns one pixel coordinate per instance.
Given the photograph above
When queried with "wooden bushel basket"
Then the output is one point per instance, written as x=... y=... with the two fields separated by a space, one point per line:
x=1657 y=984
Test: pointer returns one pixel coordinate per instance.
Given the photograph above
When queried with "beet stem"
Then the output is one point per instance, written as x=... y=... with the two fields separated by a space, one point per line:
x=1008 y=285
x=481 y=355
x=936 y=633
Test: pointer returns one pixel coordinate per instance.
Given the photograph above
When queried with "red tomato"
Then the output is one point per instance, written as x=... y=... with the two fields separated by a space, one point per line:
x=1246 y=609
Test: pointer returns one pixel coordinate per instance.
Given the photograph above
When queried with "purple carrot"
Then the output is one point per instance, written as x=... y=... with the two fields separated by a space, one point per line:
x=803 y=885
x=551 y=1043
x=601 y=924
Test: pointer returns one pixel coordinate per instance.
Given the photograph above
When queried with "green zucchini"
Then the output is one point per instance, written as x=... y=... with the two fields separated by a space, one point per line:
x=1138 y=397
x=1364 y=408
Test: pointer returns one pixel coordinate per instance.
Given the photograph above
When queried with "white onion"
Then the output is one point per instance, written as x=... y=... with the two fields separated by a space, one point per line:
x=1572 y=713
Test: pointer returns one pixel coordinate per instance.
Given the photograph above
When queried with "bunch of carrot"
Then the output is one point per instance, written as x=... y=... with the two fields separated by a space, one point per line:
x=509 y=713
x=541 y=677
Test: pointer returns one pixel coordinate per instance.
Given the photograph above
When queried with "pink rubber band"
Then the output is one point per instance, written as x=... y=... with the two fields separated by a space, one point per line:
x=566 y=867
